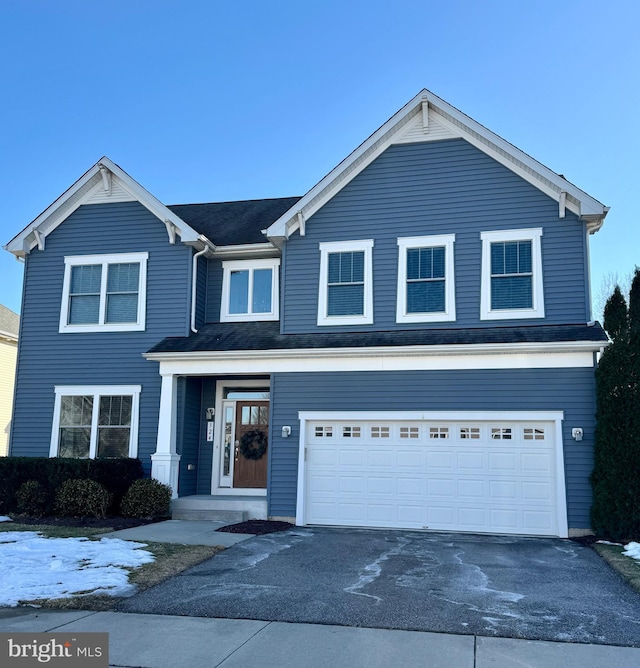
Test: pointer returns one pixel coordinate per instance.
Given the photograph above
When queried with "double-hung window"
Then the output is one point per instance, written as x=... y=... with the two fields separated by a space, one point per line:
x=250 y=290
x=104 y=293
x=345 y=294
x=512 y=275
x=95 y=421
x=426 y=284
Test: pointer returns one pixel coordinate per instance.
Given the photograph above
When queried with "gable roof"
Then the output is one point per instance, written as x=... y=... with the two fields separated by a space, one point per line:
x=427 y=118
x=104 y=182
x=234 y=223
x=9 y=323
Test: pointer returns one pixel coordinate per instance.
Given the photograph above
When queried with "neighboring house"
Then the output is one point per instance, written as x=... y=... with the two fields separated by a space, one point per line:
x=9 y=326
x=408 y=345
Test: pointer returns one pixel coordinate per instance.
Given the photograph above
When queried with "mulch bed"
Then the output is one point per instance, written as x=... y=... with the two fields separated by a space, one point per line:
x=258 y=527
x=115 y=523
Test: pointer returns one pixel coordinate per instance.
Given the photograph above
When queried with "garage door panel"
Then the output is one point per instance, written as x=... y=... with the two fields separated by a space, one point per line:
x=503 y=490
x=536 y=462
x=464 y=476
x=444 y=461
x=474 y=489
x=443 y=487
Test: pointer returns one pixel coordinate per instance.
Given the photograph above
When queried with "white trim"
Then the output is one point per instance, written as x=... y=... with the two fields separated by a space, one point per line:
x=364 y=245
x=532 y=234
x=385 y=416
x=96 y=391
x=249 y=266
x=449 y=313
x=80 y=193
x=426 y=358
x=452 y=119
x=498 y=416
x=105 y=261
x=246 y=251
x=218 y=437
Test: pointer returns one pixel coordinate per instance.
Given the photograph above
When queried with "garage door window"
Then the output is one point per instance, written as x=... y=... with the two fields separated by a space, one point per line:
x=501 y=433
x=469 y=432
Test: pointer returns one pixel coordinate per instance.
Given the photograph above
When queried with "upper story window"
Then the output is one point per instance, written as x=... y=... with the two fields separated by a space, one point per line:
x=95 y=421
x=250 y=290
x=426 y=284
x=511 y=275
x=104 y=293
x=345 y=294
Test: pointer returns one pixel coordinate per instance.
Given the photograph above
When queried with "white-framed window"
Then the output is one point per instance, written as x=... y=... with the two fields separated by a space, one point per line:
x=345 y=295
x=104 y=293
x=250 y=290
x=92 y=421
x=511 y=285
x=426 y=282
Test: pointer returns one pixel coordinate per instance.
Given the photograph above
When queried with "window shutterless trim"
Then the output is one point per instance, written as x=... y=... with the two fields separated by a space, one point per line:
x=105 y=261
x=432 y=241
x=96 y=391
x=364 y=245
x=533 y=234
x=250 y=266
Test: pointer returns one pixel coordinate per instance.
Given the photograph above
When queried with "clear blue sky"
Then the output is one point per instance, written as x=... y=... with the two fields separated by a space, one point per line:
x=211 y=101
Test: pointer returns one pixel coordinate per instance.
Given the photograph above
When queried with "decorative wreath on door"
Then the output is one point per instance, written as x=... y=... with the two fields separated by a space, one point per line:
x=253 y=444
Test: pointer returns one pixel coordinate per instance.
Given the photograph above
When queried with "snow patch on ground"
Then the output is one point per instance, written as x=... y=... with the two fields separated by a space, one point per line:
x=632 y=550
x=4 y=518
x=34 y=567
x=607 y=542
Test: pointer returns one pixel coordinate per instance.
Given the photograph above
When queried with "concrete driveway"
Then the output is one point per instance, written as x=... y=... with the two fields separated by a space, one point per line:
x=534 y=588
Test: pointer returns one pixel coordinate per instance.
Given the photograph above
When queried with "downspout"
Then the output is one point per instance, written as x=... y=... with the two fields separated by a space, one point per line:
x=194 y=279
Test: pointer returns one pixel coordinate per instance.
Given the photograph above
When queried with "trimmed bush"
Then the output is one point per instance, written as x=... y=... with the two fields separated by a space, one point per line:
x=33 y=499
x=615 y=513
x=114 y=474
x=146 y=498
x=82 y=498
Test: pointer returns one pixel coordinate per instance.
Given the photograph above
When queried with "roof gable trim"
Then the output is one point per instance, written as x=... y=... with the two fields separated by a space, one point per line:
x=92 y=187
x=422 y=109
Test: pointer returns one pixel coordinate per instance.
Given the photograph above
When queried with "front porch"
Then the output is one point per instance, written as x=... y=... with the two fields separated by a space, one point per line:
x=219 y=507
x=213 y=446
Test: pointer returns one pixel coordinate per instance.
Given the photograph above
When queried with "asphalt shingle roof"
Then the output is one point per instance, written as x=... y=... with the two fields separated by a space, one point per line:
x=9 y=321
x=231 y=223
x=266 y=336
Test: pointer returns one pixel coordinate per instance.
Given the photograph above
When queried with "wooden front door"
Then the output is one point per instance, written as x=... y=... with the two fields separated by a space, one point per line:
x=252 y=431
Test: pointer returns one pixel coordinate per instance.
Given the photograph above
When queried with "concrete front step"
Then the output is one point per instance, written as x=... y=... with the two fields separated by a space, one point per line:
x=228 y=516
x=222 y=508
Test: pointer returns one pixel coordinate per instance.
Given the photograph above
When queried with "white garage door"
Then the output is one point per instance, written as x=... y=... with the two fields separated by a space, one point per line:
x=495 y=477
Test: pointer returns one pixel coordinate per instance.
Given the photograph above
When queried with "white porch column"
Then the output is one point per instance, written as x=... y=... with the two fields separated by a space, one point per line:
x=165 y=461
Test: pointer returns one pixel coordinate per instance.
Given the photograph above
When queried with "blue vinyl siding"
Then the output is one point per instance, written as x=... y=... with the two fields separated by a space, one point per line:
x=189 y=391
x=568 y=390
x=214 y=290
x=48 y=358
x=443 y=187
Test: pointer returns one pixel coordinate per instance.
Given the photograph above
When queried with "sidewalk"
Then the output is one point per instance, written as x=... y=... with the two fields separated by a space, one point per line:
x=182 y=532
x=158 y=641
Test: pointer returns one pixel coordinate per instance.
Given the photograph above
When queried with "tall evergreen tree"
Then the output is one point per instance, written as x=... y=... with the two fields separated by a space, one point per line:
x=615 y=513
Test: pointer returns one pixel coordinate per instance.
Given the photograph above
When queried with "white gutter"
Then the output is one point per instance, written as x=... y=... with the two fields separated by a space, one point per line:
x=194 y=281
x=388 y=351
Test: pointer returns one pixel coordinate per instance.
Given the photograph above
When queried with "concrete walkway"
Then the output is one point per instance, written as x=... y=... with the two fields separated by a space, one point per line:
x=159 y=641
x=182 y=532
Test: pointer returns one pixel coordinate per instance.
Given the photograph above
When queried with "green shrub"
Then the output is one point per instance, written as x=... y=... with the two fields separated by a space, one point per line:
x=146 y=498
x=82 y=498
x=33 y=498
x=114 y=474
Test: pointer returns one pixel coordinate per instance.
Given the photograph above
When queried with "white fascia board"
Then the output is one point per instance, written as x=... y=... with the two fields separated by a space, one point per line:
x=338 y=177
x=455 y=120
x=494 y=416
x=246 y=251
x=79 y=193
x=410 y=358
x=507 y=154
x=155 y=206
